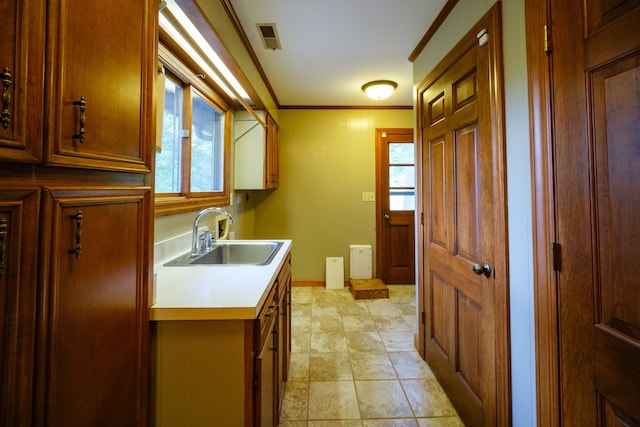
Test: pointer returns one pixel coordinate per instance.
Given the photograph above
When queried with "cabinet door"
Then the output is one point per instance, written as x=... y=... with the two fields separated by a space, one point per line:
x=96 y=308
x=99 y=83
x=282 y=353
x=266 y=372
x=21 y=70
x=271 y=175
x=18 y=252
x=285 y=349
x=284 y=329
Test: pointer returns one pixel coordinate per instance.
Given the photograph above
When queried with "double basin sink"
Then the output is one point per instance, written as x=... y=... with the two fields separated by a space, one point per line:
x=231 y=252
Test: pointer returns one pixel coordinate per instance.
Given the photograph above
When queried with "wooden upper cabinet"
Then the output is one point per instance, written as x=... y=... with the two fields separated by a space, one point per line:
x=271 y=175
x=22 y=32
x=100 y=64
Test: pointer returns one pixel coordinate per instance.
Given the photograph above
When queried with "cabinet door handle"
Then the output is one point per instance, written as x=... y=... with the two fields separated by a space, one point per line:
x=78 y=249
x=82 y=120
x=6 y=97
x=3 y=235
x=271 y=309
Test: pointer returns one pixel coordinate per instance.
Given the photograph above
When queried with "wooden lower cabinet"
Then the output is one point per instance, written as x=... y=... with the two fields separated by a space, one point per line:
x=224 y=372
x=284 y=332
x=18 y=291
x=92 y=363
x=266 y=378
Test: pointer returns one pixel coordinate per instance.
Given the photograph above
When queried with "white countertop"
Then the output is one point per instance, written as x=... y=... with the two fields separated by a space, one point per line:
x=214 y=292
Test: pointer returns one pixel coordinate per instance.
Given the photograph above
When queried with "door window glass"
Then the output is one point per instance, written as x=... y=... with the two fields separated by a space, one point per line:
x=402 y=180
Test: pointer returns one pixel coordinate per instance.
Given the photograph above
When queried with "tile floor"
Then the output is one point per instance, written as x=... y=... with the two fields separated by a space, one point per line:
x=353 y=363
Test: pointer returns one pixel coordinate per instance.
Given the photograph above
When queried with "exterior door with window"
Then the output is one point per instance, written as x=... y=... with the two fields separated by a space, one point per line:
x=395 y=206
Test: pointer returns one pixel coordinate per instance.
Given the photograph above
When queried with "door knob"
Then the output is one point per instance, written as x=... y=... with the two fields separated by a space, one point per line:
x=386 y=217
x=480 y=269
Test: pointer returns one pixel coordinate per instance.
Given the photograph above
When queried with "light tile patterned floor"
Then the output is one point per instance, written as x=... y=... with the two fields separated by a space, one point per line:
x=353 y=364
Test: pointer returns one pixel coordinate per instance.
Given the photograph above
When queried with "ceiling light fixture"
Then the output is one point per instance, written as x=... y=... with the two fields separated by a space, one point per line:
x=379 y=89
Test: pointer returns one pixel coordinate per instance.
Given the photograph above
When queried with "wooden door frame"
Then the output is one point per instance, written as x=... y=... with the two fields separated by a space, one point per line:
x=543 y=214
x=379 y=190
x=491 y=21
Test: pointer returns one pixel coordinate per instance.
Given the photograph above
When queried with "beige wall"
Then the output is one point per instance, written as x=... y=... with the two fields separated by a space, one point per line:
x=327 y=159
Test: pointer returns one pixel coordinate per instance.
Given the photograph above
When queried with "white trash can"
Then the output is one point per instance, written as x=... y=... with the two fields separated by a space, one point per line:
x=335 y=273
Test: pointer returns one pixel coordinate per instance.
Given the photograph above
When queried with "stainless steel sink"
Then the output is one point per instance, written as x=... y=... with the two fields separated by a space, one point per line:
x=231 y=252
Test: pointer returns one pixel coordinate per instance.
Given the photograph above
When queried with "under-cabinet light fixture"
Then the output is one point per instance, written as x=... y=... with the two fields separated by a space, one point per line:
x=379 y=89
x=216 y=68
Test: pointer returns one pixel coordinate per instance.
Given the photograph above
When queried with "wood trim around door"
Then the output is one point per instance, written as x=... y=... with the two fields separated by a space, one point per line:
x=545 y=299
x=381 y=192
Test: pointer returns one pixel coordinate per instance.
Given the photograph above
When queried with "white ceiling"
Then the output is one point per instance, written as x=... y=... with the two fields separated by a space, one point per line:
x=330 y=48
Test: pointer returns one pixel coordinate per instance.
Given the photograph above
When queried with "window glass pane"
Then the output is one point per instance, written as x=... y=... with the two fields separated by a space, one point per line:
x=402 y=200
x=168 y=159
x=207 y=146
x=402 y=176
x=401 y=153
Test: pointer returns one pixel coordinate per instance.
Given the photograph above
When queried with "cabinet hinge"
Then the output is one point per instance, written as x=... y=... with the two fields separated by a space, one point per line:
x=556 y=261
x=546 y=43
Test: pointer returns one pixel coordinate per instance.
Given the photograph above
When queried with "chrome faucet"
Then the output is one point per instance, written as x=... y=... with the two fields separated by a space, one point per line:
x=195 y=249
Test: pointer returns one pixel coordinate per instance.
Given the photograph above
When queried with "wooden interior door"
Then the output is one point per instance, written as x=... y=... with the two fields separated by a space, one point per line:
x=596 y=128
x=395 y=206
x=464 y=234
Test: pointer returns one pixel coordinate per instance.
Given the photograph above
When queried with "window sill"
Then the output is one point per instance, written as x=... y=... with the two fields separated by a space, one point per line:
x=175 y=205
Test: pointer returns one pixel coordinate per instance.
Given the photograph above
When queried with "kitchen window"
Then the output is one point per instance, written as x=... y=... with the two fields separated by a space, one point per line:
x=192 y=151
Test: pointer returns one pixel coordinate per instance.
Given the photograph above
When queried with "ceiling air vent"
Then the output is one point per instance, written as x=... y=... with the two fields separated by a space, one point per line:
x=269 y=35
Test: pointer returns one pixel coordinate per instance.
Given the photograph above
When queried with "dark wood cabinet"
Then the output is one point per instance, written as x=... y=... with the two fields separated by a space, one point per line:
x=95 y=321
x=21 y=74
x=274 y=351
x=271 y=168
x=18 y=257
x=266 y=371
x=284 y=331
x=75 y=211
x=99 y=84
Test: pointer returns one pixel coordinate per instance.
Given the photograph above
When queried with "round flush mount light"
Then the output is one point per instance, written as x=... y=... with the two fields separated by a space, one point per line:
x=379 y=89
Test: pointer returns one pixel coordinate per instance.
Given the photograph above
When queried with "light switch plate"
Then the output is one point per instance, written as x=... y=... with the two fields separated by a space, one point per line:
x=368 y=196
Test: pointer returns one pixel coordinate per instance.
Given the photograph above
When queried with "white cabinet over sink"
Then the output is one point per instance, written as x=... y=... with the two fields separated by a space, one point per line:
x=255 y=151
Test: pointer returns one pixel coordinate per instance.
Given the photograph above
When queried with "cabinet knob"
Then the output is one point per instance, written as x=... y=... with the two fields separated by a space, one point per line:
x=6 y=97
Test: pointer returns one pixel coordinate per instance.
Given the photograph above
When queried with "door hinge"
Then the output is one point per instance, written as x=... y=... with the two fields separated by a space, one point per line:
x=423 y=318
x=546 y=43
x=556 y=261
x=421 y=218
